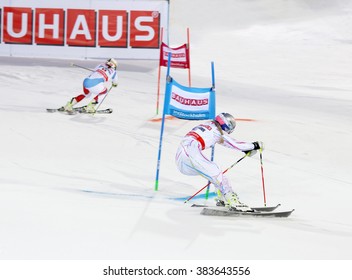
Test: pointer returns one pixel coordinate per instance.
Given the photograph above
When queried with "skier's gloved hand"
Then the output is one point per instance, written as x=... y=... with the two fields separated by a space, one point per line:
x=114 y=84
x=258 y=145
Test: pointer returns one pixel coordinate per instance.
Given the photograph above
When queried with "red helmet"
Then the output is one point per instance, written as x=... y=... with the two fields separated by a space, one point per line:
x=226 y=121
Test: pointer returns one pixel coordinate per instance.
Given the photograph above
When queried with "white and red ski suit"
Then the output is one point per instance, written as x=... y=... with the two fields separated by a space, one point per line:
x=191 y=161
x=95 y=83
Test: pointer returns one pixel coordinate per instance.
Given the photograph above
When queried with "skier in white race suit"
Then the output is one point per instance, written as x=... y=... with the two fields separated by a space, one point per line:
x=95 y=85
x=191 y=161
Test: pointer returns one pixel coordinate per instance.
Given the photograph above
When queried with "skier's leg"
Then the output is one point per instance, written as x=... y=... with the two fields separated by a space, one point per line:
x=194 y=162
x=191 y=161
x=98 y=90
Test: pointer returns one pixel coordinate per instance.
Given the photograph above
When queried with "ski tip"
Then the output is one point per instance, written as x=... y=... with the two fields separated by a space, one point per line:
x=104 y=111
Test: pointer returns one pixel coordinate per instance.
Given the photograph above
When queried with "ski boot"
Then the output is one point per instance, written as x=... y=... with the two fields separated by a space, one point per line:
x=90 y=108
x=219 y=200
x=233 y=203
x=68 y=107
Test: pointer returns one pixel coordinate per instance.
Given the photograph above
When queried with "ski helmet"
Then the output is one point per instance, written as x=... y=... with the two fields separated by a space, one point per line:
x=111 y=62
x=226 y=121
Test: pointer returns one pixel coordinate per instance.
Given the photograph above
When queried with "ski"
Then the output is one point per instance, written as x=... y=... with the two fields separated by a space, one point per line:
x=215 y=211
x=102 y=111
x=262 y=209
x=61 y=111
x=80 y=111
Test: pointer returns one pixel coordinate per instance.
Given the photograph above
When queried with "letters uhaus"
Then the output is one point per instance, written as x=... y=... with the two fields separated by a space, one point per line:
x=81 y=27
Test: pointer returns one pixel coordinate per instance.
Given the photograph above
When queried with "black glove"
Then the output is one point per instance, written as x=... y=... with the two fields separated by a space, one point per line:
x=258 y=145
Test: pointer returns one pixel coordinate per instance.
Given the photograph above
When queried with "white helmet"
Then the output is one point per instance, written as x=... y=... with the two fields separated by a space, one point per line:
x=226 y=121
x=111 y=62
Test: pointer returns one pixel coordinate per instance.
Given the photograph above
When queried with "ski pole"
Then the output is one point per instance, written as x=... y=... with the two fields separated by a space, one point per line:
x=222 y=173
x=213 y=148
x=79 y=66
x=261 y=167
x=103 y=98
x=208 y=187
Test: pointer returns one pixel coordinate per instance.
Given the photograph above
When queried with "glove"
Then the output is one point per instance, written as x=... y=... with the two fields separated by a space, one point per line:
x=258 y=145
x=114 y=85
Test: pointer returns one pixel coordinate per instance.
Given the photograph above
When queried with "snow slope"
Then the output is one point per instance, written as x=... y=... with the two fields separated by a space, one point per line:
x=82 y=187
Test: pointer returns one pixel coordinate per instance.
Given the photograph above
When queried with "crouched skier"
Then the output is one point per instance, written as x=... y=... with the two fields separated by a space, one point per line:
x=95 y=85
x=191 y=161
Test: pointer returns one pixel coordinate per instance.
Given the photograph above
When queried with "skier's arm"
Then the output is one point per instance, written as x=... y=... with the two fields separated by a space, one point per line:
x=241 y=146
x=98 y=67
x=114 y=81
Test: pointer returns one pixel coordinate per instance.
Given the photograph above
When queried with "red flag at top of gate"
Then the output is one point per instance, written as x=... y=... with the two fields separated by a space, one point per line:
x=179 y=56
